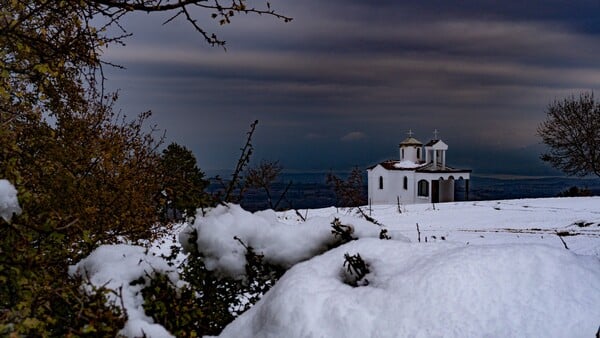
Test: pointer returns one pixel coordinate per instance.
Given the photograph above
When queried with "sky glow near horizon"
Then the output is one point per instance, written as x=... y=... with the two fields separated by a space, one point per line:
x=343 y=83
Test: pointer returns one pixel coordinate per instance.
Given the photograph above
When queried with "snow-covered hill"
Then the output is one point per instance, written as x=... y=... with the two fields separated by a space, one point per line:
x=519 y=221
x=482 y=269
x=433 y=290
x=512 y=268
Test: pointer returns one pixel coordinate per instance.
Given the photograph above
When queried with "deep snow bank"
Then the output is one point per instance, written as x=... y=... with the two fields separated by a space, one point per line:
x=433 y=290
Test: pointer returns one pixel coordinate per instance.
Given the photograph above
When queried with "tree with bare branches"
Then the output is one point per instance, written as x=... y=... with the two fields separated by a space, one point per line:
x=349 y=192
x=262 y=177
x=572 y=133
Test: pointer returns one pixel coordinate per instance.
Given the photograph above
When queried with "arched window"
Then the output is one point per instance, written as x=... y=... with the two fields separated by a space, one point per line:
x=423 y=188
x=418 y=153
x=380 y=182
x=402 y=154
x=405 y=183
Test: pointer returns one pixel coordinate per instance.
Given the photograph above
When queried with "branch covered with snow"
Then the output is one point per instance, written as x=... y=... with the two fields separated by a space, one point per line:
x=127 y=268
x=9 y=204
x=282 y=244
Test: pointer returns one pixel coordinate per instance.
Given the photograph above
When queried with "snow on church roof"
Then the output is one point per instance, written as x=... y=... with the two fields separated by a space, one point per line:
x=406 y=164
x=418 y=167
x=398 y=165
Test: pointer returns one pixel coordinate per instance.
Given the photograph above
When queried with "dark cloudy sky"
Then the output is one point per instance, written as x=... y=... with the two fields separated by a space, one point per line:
x=342 y=83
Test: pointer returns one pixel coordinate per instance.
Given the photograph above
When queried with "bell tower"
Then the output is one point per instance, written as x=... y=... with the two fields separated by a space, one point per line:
x=410 y=149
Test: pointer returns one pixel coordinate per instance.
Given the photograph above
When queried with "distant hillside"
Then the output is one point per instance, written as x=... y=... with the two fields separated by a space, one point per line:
x=309 y=190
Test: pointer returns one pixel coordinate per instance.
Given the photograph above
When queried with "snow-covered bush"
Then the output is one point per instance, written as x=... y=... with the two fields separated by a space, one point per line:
x=9 y=204
x=85 y=177
x=62 y=311
x=214 y=234
x=234 y=258
x=127 y=270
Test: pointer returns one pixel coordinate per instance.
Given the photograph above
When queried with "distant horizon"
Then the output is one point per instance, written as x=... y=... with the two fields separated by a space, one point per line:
x=524 y=162
x=501 y=176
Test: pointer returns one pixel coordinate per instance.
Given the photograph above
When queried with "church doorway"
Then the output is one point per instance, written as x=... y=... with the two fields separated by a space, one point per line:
x=435 y=191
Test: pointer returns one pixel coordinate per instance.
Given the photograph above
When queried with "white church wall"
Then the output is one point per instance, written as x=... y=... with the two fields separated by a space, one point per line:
x=408 y=195
x=393 y=186
x=410 y=153
x=378 y=195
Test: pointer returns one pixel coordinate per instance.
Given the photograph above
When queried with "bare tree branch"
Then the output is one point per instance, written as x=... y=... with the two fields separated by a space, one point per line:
x=572 y=133
x=116 y=8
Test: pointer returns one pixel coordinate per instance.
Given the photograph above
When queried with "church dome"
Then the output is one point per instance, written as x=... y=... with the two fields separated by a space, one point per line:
x=410 y=141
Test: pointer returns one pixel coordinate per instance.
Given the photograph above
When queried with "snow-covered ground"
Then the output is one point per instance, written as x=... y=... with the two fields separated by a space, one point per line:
x=433 y=290
x=493 y=269
x=520 y=221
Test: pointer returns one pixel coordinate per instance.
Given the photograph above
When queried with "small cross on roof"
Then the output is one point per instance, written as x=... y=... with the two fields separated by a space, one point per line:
x=435 y=134
x=410 y=133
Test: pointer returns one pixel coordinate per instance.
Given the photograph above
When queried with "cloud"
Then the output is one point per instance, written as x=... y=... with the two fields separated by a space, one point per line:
x=353 y=136
x=477 y=72
x=313 y=136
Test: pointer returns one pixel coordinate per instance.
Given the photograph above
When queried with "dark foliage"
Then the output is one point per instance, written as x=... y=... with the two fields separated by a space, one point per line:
x=209 y=301
x=575 y=192
x=83 y=181
x=341 y=231
x=57 y=309
x=357 y=269
x=183 y=184
x=200 y=308
x=85 y=174
x=383 y=234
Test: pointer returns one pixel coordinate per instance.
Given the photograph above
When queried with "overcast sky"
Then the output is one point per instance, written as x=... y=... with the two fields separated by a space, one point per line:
x=343 y=83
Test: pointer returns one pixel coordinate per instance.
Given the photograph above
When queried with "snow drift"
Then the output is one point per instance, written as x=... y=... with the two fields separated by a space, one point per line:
x=433 y=290
x=494 y=268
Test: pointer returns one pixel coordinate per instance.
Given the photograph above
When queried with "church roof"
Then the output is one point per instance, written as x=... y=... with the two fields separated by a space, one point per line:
x=411 y=141
x=431 y=143
x=431 y=168
x=437 y=145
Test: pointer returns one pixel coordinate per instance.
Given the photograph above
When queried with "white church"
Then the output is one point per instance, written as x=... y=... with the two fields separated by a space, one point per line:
x=420 y=176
